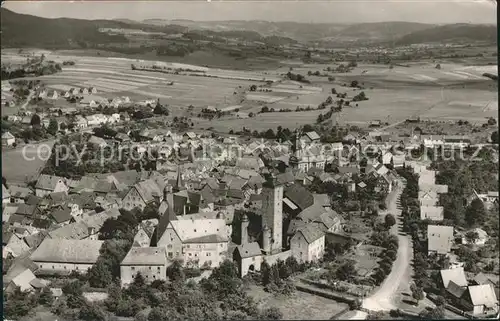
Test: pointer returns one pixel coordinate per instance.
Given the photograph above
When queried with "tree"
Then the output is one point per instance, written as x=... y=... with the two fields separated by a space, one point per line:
x=360 y=97
x=471 y=237
x=440 y=301
x=346 y=271
x=253 y=88
x=175 y=272
x=334 y=91
x=354 y=84
x=35 y=120
x=492 y=121
x=438 y=66
x=100 y=274
x=92 y=312
x=475 y=213
x=16 y=304
x=494 y=137
x=45 y=298
x=417 y=293
x=271 y=313
x=435 y=314
x=269 y=134
x=160 y=110
x=389 y=220
x=53 y=126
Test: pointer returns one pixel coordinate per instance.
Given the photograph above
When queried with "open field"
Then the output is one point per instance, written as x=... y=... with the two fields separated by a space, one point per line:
x=454 y=92
x=298 y=306
x=263 y=121
x=23 y=164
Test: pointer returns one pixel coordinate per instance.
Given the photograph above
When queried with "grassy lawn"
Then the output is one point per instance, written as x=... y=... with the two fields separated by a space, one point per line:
x=299 y=305
x=17 y=168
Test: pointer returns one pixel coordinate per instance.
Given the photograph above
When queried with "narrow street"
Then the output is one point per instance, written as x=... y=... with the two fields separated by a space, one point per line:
x=384 y=297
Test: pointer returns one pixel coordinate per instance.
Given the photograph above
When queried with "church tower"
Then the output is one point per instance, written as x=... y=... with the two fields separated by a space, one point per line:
x=272 y=212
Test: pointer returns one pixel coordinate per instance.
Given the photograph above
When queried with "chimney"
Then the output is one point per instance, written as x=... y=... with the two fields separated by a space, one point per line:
x=244 y=230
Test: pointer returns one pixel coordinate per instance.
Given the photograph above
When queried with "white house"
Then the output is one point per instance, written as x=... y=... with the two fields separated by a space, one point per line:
x=150 y=262
x=308 y=244
x=8 y=139
x=200 y=242
x=80 y=122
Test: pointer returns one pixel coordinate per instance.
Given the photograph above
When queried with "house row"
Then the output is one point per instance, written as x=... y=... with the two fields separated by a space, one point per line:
x=478 y=296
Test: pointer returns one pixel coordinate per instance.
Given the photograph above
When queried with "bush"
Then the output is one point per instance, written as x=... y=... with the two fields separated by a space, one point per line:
x=389 y=220
x=356 y=304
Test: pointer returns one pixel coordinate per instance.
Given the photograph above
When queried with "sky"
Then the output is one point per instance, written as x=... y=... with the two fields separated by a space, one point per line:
x=333 y=11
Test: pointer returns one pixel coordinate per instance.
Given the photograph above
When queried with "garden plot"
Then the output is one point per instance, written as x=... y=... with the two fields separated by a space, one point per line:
x=299 y=305
x=422 y=77
x=149 y=94
x=137 y=80
x=117 y=82
x=267 y=98
x=109 y=85
x=60 y=87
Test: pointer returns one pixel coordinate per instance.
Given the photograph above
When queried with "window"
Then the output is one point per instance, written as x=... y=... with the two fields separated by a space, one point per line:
x=169 y=246
x=189 y=254
x=65 y=267
x=132 y=268
x=187 y=246
x=150 y=268
x=77 y=267
x=170 y=254
x=208 y=253
x=41 y=266
x=158 y=268
x=52 y=267
x=196 y=254
x=195 y=230
x=177 y=253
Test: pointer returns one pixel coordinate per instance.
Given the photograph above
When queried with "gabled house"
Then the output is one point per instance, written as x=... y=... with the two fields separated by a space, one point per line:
x=151 y=262
x=310 y=137
x=483 y=300
x=308 y=243
x=97 y=141
x=249 y=257
x=62 y=256
x=8 y=139
x=47 y=184
x=142 y=194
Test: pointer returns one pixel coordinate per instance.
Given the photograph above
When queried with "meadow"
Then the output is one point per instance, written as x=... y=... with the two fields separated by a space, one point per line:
x=24 y=163
x=299 y=305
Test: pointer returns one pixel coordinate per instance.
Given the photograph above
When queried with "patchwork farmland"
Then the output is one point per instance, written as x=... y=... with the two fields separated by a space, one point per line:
x=450 y=93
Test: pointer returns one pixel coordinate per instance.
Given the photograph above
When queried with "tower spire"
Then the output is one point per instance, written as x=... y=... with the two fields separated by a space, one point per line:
x=179 y=184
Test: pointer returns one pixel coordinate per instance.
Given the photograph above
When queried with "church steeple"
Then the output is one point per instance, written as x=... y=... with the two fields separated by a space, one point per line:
x=179 y=184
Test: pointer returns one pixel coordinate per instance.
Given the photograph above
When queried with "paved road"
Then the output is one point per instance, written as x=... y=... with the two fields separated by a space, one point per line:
x=28 y=99
x=384 y=298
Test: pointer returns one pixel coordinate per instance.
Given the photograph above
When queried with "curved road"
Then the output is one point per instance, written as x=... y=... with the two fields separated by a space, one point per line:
x=384 y=298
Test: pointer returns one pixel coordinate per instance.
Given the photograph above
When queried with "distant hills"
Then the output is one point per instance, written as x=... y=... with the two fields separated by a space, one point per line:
x=397 y=32
x=452 y=33
x=20 y=30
